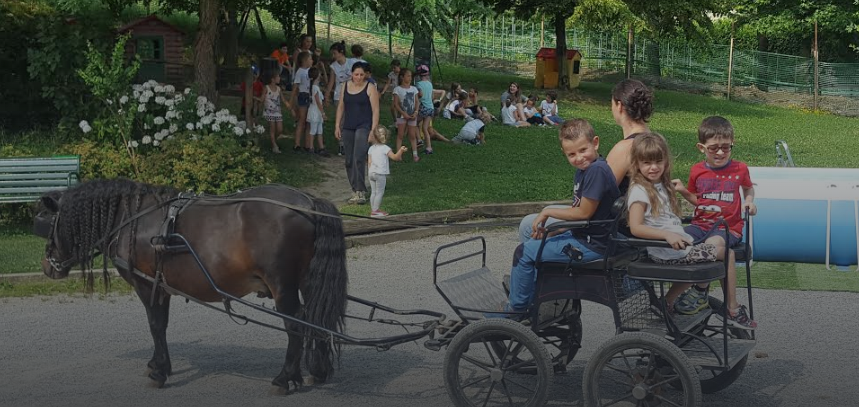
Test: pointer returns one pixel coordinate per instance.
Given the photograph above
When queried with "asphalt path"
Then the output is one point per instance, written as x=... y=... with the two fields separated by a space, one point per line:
x=77 y=351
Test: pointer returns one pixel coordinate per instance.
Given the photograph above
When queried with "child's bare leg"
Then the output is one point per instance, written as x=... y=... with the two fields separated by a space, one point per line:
x=272 y=128
x=320 y=141
x=401 y=129
x=434 y=133
x=425 y=126
x=548 y=121
x=299 y=128
x=413 y=138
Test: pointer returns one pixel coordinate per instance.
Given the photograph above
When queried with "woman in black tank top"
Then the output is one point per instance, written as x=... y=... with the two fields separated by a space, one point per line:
x=631 y=106
x=356 y=121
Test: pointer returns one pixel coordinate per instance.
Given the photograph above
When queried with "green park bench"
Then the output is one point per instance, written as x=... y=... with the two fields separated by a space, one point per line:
x=26 y=179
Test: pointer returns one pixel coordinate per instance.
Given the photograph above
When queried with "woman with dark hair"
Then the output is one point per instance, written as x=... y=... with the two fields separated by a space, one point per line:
x=631 y=106
x=356 y=121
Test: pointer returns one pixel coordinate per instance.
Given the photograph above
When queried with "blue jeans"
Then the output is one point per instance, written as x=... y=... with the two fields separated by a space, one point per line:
x=523 y=276
x=525 y=224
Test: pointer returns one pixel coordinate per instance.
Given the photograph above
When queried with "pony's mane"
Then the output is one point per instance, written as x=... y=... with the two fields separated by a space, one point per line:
x=90 y=211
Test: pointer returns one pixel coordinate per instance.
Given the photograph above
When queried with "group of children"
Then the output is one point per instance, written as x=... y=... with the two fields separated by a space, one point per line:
x=520 y=111
x=653 y=213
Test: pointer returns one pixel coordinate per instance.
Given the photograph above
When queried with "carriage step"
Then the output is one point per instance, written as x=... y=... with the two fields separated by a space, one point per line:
x=477 y=290
x=700 y=355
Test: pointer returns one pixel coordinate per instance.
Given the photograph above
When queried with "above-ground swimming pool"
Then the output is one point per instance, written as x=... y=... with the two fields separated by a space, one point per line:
x=806 y=215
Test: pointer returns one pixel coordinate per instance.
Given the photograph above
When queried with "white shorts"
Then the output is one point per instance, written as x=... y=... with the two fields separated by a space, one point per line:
x=411 y=122
x=315 y=128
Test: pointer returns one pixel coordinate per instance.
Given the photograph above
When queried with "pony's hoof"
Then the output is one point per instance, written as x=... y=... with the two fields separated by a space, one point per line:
x=156 y=381
x=311 y=380
x=279 y=391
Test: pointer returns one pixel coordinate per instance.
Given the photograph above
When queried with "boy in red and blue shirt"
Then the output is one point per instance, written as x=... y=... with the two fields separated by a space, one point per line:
x=718 y=187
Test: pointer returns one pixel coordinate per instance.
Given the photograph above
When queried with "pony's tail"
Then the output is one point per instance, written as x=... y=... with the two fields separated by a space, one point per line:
x=325 y=288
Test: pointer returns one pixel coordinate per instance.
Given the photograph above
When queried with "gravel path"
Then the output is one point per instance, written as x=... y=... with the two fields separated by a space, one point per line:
x=74 y=351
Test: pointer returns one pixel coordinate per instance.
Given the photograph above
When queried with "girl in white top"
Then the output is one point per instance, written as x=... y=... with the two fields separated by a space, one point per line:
x=653 y=214
x=341 y=71
x=301 y=99
x=456 y=108
x=509 y=115
x=406 y=105
x=316 y=113
x=379 y=168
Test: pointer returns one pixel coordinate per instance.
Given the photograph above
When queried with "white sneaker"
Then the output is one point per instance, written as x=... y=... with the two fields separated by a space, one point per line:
x=354 y=199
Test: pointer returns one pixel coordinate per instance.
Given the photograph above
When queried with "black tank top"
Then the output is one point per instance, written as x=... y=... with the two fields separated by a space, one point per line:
x=357 y=109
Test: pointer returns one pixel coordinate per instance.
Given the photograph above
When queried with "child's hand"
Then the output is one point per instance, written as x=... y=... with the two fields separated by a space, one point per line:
x=404 y=149
x=676 y=241
x=537 y=228
x=753 y=209
x=678 y=186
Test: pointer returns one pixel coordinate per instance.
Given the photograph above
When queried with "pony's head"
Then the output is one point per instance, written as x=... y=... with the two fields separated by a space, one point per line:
x=59 y=259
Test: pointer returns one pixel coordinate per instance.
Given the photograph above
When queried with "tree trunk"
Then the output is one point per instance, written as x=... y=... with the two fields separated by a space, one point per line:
x=230 y=41
x=205 y=69
x=311 y=20
x=654 y=64
x=561 y=50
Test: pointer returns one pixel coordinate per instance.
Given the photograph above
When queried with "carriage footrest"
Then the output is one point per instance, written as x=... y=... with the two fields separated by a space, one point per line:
x=700 y=355
x=646 y=269
x=477 y=290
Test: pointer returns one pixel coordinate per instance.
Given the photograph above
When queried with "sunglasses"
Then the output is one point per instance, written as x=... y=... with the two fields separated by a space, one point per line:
x=713 y=149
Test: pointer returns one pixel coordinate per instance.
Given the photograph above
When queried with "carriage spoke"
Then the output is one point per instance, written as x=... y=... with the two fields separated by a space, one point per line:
x=668 y=379
x=507 y=379
x=667 y=401
x=529 y=362
x=617 y=400
x=473 y=382
x=478 y=363
x=488 y=394
x=620 y=370
x=491 y=354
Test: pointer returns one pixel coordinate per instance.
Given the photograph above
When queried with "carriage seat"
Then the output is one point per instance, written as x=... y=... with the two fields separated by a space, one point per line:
x=647 y=269
x=622 y=257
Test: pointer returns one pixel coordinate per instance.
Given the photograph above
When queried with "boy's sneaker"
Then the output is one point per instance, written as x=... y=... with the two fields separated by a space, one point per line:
x=341 y=150
x=420 y=142
x=323 y=153
x=428 y=151
x=378 y=214
x=362 y=198
x=692 y=301
x=297 y=149
x=354 y=199
x=740 y=319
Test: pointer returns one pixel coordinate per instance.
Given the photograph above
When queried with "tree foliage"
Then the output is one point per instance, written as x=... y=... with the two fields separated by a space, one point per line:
x=419 y=15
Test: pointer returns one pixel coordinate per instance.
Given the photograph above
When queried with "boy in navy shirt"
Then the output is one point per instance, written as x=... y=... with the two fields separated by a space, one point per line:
x=593 y=196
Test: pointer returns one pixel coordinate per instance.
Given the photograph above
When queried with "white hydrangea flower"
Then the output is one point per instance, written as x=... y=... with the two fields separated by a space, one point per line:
x=132 y=144
x=178 y=115
x=145 y=126
x=151 y=83
x=143 y=99
x=83 y=124
x=199 y=125
x=159 y=100
x=247 y=131
x=148 y=93
x=170 y=138
x=189 y=126
x=156 y=143
x=201 y=112
x=170 y=114
x=169 y=88
x=169 y=102
x=137 y=87
x=146 y=140
x=85 y=127
x=159 y=89
x=109 y=101
x=158 y=136
x=259 y=129
x=233 y=120
x=241 y=124
x=158 y=120
x=210 y=106
x=200 y=99
x=187 y=91
x=216 y=128
x=136 y=94
x=173 y=128
x=141 y=108
x=238 y=131
x=194 y=137
x=207 y=120
x=123 y=100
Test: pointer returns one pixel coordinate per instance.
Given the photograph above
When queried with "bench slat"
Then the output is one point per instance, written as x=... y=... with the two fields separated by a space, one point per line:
x=15 y=162
x=4 y=178
x=29 y=190
x=19 y=199
x=35 y=183
x=42 y=168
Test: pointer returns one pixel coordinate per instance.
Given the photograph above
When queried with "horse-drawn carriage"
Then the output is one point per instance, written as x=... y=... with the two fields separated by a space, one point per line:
x=277 y=242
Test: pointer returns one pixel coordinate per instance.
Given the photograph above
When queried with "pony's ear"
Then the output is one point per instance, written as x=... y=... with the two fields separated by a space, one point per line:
x=51 y=202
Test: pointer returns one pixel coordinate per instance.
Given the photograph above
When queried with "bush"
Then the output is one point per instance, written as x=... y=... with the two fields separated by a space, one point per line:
x=212 y=164
x=99 y=160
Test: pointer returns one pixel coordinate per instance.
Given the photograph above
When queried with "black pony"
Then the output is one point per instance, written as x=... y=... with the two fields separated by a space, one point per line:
x=248 y=245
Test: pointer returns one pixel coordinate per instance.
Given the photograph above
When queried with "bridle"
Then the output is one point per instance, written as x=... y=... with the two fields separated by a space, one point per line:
x=49 y=223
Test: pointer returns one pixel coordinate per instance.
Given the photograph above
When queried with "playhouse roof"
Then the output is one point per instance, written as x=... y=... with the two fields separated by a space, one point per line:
x=151 y=17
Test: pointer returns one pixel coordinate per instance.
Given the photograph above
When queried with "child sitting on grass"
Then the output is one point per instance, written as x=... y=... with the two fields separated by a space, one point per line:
x=473 y=132
x=456 y=108
x=549 y=108
x=509 y=115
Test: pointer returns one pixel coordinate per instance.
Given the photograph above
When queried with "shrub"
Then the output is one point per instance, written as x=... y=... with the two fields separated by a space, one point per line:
x=214 y=164
x=100 y=160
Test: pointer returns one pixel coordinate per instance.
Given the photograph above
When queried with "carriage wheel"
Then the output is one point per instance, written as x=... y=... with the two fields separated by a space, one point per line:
x=637 y=369
x=497 y=362
x=713 y=380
